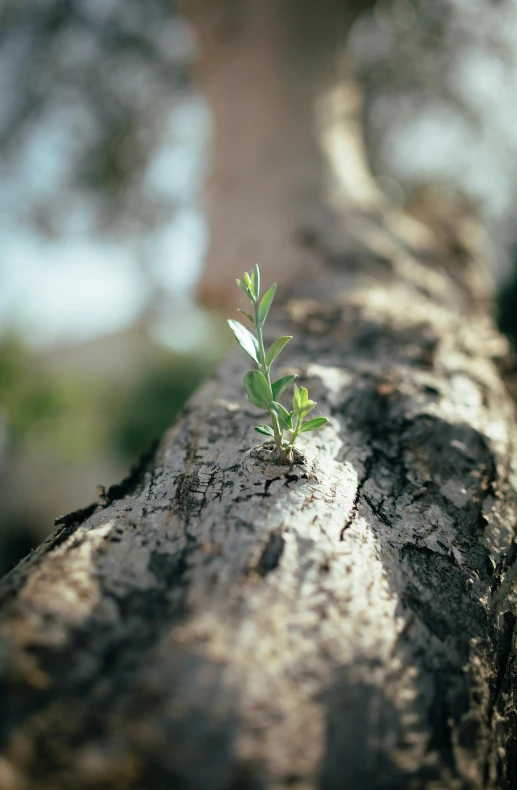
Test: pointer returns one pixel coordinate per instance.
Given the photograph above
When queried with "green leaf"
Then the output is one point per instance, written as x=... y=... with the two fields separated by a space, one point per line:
x=258 y=390
x=256 y=280
x=313 y=425
x=284 y=418
x=275 y=349
x=301 y=403
x=249 y=283
x=265 y=304
x=242 y=285
x=307 y=407
x=265 y=429
x=248 y=316
x=245 y=339
x=280 y=385
x=297 y=401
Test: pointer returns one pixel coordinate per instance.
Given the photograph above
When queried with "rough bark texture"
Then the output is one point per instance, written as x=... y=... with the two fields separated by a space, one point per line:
x=219 y=622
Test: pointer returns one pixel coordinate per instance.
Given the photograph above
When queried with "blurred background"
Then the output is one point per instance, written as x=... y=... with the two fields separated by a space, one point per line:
x=104 y=144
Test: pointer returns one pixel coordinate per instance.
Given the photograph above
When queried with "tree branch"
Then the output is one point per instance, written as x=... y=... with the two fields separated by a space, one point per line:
x=348 y=621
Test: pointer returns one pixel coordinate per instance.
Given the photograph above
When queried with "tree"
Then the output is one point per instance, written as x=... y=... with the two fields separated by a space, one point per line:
x=217 y=621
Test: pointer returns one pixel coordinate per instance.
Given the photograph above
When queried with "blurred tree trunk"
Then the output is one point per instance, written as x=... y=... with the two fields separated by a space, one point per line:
x=219 y=622
x=282 y=98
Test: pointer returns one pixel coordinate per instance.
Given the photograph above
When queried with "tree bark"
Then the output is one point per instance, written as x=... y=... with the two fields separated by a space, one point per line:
x=221 y=622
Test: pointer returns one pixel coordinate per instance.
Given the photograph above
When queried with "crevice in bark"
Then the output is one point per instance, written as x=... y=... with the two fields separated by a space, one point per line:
x=271 y=556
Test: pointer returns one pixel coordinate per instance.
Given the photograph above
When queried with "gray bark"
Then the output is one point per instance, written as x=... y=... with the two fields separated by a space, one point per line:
x=220 y=622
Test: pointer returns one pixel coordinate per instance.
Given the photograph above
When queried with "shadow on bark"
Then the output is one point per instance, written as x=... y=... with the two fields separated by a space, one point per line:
x=442 y=580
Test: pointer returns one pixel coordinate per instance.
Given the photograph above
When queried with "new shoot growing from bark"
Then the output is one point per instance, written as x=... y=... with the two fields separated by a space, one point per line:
x=261 y=391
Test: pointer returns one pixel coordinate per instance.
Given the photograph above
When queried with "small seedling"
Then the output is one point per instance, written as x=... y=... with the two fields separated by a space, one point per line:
x=261 y=391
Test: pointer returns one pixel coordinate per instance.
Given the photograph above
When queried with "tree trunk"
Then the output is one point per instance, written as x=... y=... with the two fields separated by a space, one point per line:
x=221 y=622
x=283 y=102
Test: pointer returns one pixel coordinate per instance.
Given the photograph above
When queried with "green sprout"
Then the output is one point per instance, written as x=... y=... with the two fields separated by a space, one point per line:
x=261 y=391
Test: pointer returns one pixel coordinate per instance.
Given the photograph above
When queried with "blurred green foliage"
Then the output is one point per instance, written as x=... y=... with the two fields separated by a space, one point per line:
x=44 y=408
x=27 y=396
x=147 y=409
x=82 y=416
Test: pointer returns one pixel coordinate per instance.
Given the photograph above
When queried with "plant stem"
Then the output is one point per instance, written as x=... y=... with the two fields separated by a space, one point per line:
x=296 y=431
x=262 y=354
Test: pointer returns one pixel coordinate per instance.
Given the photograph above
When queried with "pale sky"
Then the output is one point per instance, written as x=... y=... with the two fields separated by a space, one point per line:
x=80 y=285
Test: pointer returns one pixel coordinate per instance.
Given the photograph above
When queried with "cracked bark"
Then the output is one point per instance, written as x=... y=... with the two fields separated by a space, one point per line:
x=219 y=622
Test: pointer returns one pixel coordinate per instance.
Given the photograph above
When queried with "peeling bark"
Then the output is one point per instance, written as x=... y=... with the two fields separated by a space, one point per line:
x=221 y=622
